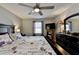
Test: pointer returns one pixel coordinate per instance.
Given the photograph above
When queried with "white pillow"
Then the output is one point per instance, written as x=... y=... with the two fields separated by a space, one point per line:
x=5 y=38
x=18 y=36
x=15 y=36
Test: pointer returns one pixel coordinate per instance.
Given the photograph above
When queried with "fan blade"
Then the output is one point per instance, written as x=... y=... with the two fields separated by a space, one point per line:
x=47 y=7
x=25 y=5
x=40 y=13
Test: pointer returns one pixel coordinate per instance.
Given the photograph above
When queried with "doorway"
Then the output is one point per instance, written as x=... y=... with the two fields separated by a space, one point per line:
x=38 y=28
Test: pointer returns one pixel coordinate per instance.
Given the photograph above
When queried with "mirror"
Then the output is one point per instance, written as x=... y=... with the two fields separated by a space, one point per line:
x=72 y=25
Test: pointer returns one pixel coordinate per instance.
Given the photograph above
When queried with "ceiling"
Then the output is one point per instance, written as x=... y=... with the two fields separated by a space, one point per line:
x=22 y=11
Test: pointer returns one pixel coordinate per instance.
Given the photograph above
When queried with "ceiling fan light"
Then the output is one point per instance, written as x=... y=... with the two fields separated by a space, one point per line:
x=36 y=10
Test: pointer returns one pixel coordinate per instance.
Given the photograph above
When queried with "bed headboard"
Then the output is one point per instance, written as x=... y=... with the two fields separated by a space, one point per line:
x=4 y=29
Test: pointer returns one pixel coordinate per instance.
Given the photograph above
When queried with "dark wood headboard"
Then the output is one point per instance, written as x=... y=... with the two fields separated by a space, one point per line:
x=6 y=29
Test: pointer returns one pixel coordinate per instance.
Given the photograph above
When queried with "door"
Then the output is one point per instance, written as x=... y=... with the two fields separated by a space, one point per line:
x=38 y=27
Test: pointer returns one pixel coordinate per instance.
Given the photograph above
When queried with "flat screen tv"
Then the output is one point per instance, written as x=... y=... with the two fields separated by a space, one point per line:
x=51 y=25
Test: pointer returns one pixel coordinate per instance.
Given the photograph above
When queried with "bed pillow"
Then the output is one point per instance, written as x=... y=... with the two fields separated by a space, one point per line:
x=18 y=36
x=5 y=38
x=15 y=36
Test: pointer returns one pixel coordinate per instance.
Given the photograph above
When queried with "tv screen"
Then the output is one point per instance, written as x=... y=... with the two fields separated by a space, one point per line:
x=51 y=25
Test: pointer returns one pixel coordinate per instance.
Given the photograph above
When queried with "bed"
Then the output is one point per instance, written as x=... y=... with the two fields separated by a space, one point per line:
x=27 y=45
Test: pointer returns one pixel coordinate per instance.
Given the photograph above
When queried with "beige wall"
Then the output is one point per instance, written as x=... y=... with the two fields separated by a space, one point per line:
x=8 y=18
x=60 y=21
x=27 y=25
x=75 y=25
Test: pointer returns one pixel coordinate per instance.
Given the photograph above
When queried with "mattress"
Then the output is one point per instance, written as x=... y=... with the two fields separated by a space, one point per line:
x=28 y=45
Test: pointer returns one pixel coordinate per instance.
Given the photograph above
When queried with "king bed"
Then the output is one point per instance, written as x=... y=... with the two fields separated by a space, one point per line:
x=15 y=44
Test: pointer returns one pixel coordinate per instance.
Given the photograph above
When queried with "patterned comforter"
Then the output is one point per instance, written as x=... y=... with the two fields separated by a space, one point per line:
x=27 y=45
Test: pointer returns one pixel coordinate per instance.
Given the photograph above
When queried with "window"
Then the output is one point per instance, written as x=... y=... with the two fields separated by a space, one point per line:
x=67 y=27
x=38 y=27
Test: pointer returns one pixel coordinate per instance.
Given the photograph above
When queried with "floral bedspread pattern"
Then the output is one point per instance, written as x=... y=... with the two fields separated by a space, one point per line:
x=27 y=45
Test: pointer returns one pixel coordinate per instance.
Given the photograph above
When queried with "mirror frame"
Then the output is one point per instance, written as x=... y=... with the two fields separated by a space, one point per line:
x=73 y=15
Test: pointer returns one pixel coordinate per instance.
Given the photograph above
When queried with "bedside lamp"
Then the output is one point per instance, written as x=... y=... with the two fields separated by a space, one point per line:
x=18 y=30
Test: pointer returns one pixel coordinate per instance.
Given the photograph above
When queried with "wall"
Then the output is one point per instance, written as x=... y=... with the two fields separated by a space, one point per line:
x=60 y=21
x=8 y=18
x=27 y=25
x=75 y=25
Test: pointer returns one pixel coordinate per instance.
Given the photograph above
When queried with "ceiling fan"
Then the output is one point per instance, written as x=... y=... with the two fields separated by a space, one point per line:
x=37 y=8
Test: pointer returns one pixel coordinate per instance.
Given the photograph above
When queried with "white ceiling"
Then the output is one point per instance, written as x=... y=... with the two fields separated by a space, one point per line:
x=22 y=11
